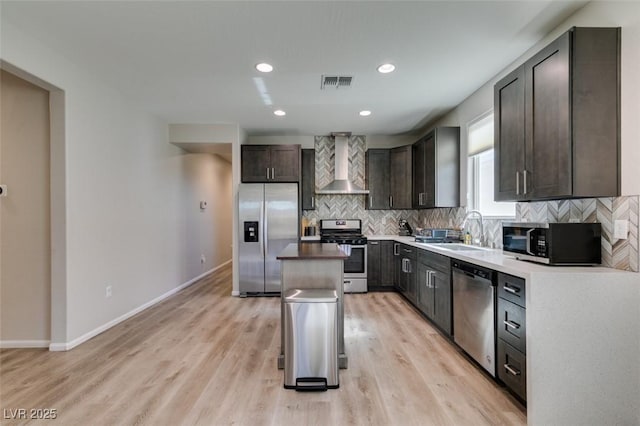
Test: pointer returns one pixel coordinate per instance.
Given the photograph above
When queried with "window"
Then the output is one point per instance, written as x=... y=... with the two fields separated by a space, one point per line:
x=480 y=171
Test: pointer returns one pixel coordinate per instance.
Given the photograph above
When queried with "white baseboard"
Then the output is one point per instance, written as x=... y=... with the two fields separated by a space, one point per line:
x=15 y=344
x=75 y=342
x=235 y=293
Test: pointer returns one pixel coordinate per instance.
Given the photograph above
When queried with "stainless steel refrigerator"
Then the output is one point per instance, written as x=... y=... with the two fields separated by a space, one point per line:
x=268 y=219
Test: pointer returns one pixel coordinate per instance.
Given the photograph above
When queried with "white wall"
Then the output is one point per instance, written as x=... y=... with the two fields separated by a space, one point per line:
x=306 y=141
x=595 y=14
x=126 y=191
x=208 y=231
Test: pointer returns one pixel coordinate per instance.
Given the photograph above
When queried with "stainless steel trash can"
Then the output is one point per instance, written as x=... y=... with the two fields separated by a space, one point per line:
x=311 y=339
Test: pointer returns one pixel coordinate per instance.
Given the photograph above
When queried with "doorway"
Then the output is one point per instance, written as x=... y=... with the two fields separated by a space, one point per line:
x=25 y=216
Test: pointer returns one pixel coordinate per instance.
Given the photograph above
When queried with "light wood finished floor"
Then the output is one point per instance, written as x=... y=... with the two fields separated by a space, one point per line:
x=204 y=357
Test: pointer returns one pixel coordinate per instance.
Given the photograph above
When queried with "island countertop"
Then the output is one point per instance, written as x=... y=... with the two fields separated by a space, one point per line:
x=311 y=251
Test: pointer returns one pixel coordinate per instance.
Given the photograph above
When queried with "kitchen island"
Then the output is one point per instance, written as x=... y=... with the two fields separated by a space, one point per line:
x=313 y=266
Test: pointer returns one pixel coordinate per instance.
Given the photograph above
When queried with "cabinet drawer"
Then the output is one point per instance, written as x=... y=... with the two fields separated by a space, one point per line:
x=408 y=251
x=512 y=288
x=512 y=325
x=435 y=260
x=512 y=369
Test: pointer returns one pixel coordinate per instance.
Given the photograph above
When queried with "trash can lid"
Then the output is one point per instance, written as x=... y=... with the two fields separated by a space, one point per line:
x=312 y=295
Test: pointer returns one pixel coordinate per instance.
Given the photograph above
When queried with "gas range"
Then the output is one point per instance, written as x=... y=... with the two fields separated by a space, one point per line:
x=342 y=231
x=348 y=234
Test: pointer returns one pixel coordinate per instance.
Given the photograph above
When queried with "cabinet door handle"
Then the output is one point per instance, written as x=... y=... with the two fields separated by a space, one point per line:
x=420 y=198
x=524 y=182
x=313 y=202
x=406 y=250
x=273 y=173
x=373 y=243
x=390 y=200
x=511 y=324
x=511 y=289
x=432 y=282
x=370 y=201
x=267 y=173
x=408 y=266
x=427 y=279
x=396 y=249
x=517 y=183
x=511 y=370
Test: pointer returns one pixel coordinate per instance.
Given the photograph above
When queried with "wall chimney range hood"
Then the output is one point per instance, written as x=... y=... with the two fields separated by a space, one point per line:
x=341 y=183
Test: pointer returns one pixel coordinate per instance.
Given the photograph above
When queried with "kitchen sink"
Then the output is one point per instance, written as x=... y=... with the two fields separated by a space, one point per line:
x=457 y=247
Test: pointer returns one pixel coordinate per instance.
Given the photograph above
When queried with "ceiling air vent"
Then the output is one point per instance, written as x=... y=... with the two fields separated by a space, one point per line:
x=335 y=81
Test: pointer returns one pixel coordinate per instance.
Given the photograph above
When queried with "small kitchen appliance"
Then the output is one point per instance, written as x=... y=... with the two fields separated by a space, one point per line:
x=553 y=243
x=404 y=229
x=347 y=233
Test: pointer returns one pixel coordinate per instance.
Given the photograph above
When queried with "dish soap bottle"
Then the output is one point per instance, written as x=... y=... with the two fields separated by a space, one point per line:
x=467 y=238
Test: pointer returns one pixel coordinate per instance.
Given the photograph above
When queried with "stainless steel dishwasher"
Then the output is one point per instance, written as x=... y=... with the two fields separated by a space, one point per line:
x=474 y=325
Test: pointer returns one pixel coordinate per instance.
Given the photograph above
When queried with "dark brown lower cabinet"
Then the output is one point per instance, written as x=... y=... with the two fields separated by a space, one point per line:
x=512 y=329
x=380 y=265
x=512 y=368
x=434 y=288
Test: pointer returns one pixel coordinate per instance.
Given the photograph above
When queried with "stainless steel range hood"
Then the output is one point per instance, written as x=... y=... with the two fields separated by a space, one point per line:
x=341 y=183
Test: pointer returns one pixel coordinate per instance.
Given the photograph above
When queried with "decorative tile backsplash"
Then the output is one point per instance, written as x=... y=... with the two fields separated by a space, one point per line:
x=619 y=254
x=616 y=253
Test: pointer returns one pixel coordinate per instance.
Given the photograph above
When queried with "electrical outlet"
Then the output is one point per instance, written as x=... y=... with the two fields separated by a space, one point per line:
x=108 y=291
x=202 y=259
x=620 y=229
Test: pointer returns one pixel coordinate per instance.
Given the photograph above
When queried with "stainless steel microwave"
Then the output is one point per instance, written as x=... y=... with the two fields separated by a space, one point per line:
x=553 y=243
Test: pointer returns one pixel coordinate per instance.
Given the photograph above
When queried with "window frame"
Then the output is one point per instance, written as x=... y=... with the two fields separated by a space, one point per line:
x=473 y=172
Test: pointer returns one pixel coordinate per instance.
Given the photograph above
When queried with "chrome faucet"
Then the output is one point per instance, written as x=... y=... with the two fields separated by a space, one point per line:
x=464 y=222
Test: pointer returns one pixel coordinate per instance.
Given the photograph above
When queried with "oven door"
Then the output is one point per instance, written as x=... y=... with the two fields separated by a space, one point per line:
x=355 y=266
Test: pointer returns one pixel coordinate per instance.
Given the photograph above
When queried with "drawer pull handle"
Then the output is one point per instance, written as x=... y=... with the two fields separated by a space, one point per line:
x=512 y=324
x=373 y=243
x=511 y=370
x=510 y=289
x=407 y=251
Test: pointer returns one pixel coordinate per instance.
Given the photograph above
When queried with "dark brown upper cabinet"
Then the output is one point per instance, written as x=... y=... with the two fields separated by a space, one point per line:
x=270 y=163
x=436 y=169
x=377 y=172
x=308 y=179
x=400 y=169
x=557 y=120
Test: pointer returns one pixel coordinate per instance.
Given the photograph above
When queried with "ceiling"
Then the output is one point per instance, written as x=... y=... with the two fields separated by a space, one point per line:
x=193 y=62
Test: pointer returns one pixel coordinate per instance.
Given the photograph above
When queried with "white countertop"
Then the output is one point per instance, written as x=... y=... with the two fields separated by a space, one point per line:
x=496 y=260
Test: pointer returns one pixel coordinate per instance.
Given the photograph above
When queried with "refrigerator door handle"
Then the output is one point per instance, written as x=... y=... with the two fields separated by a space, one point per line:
x=262 y=223
x=265 y=238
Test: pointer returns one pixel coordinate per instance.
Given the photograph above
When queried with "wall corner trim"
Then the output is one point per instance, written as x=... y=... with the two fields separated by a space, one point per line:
x=56 y=347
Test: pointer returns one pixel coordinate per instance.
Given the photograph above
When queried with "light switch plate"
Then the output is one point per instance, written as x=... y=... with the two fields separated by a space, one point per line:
x=620 y=229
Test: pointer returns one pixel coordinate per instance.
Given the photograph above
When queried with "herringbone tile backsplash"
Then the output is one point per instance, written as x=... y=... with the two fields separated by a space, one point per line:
x=619 y=254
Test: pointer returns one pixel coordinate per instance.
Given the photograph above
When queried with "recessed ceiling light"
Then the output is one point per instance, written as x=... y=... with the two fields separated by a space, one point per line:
x=365 y=113
x=279 y=112
x=386 y=68
x=264 y=67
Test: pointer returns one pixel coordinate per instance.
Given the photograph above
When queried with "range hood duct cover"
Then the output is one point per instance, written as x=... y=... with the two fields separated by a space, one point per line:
x=341 y=183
